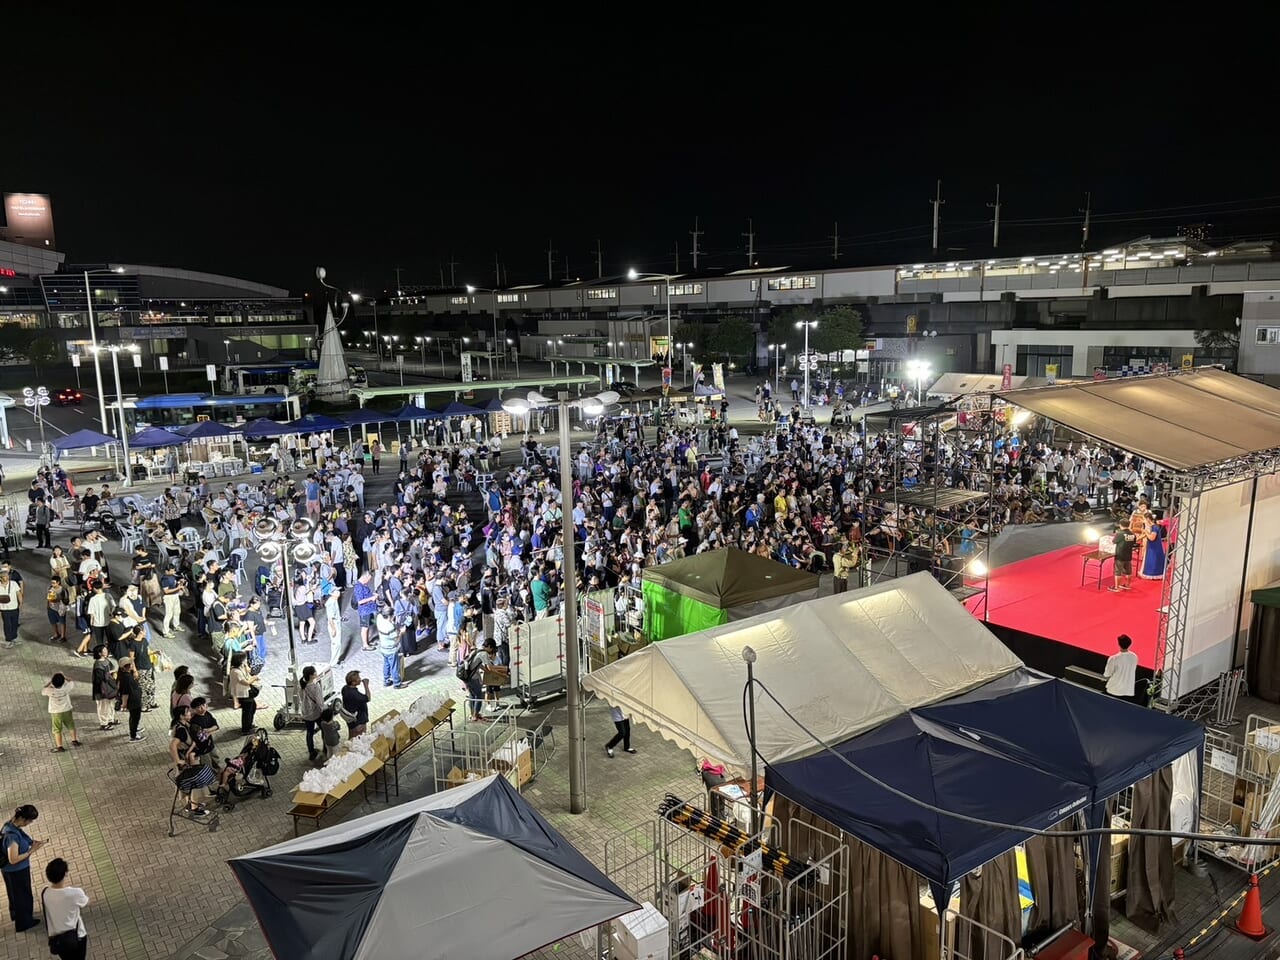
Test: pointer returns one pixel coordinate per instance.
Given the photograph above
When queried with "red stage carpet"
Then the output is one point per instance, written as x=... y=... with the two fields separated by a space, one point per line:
x=1043 y=596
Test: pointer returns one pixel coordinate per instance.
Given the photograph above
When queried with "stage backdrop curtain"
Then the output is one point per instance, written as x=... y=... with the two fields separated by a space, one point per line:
x=1052 y=864
x=1264 y=651
x=1149 y=901
x=884 y=896
x=989 y=896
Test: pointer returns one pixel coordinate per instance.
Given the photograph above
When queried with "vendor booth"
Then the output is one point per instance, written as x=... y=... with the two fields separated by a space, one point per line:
x=719 y=586
x=891 y=719
x=422 y=879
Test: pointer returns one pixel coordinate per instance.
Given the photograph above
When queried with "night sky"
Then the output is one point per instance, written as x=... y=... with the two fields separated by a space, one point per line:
x=261 y=145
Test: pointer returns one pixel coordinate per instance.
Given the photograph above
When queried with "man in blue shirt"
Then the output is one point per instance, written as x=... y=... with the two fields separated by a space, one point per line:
x=366 y=607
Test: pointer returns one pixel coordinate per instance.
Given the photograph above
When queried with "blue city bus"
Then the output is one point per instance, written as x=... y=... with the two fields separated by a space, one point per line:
x=176 y=409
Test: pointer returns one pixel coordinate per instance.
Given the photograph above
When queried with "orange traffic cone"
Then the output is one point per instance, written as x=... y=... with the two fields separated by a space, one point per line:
x=1250 y=921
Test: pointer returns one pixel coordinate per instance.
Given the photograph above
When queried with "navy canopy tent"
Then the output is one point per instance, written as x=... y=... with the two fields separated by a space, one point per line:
x=410 y=412
x=311 y=422
x=926 y=761
x=204 y=430
x=365 y=415
x=81 y=439
x=262 y=427
x=1064 y=729
x=419 y=880
x=457 y=409
x=153 y=437
x=493 y=405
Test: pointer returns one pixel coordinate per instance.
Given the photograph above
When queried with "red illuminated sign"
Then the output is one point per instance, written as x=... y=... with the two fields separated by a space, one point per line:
x=6 y=272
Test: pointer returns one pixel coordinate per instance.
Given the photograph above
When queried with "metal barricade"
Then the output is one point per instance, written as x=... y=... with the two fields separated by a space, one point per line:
x=1238 y=793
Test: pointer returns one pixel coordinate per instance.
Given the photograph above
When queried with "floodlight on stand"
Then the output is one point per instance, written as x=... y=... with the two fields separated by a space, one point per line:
x=537 y=399
x=516 y=407
x=1091 y=535
x=977 y=568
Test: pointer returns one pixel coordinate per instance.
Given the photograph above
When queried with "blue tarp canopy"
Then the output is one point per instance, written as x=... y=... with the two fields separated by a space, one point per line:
x=268 y=428
x=412 y=411
x=1064 y=729
x=81 y=439
x=204 y=430
x=931 y=763
x=171 y=401
x=492 y=406
x=365 y=415
x=153 y=437
x=457 y=409
x=317 y=421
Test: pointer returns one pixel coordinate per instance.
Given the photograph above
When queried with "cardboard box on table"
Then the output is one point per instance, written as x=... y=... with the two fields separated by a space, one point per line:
x=308 y=798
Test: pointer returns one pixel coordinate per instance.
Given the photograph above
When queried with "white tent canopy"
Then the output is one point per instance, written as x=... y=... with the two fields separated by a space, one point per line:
x=843 y=664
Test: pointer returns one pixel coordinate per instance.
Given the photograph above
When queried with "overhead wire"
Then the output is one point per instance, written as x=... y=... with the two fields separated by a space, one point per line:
x=981 y=821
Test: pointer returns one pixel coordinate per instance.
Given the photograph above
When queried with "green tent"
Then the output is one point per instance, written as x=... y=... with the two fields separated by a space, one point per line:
x=708 y=589
x=1262 y=663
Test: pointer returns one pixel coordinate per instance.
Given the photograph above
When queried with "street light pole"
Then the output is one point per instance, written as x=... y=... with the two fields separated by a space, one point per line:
x=97 y=367
x=124 y=431
x=517 y=356
x=806 y=359
x=573 y=667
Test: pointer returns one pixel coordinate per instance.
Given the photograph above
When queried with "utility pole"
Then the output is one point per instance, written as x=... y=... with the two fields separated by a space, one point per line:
x=1088 y=207
x=751 y=243
x=497 y=270
x=399 y=289
x=835 y=238
x=937 y=202
x=566 y=268
x=452 y=275
x=995 y=235
x=695 y=233
x=551 y=252
x=442 y=276
x=677 y=269
x=599 y=260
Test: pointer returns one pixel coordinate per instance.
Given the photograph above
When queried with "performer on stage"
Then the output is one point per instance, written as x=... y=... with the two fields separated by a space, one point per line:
x=1155 y=558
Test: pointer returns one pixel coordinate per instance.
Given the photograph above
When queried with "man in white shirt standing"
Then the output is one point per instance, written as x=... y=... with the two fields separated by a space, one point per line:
x=62 y=906
x=1122 y=669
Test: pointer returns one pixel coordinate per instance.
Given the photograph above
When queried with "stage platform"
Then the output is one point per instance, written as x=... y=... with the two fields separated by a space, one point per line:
x=1042 y=597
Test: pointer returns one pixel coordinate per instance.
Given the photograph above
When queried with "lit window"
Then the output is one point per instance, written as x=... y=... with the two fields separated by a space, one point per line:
x=1268 y=335
x=793 y=283
x=603 y=293
x=508 y=298
x=685 y=290
x=459 y=301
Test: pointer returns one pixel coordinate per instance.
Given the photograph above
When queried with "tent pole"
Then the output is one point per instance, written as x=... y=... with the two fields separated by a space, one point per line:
x=1086 y=859
x=749 y=655
x=1244 y=579
x=573 y=681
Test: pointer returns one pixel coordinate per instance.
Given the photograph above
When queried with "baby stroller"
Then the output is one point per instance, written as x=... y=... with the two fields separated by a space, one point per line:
x=266 y=584
x=250 y=771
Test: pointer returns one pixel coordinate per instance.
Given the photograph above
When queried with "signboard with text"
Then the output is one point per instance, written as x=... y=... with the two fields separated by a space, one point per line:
x=29 y=219
x=466 y=367
x=1006 y=377
x=1188 y=360
x=1051 y=372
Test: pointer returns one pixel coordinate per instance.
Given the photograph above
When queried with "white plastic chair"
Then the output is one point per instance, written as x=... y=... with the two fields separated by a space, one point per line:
x=243 y=554
x=130 y=537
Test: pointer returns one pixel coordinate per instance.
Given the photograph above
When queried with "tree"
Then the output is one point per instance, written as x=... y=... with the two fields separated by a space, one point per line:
x=733 y=337
x=782 y=328
x=42 y=350
x=1219 y=339
x=839 y=328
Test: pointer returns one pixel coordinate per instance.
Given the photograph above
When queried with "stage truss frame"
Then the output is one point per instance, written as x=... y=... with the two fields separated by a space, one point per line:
x=1187 y=486
x=952 y=508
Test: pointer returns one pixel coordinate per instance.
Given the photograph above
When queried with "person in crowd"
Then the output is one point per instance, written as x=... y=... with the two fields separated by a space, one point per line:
x=180 y=694
x=10 y=607
x=62 y=903
x=388 y=645
x=171 y=590
x=312 y=706
x=18 y=846
x=244 y=690
x=1121 y=670
x=58 y=692
x=621 y=724
x=355 y=703
x=105 y=688
x=1122 y=566
x=131 y=697
x=194 y=776
x=57 y=601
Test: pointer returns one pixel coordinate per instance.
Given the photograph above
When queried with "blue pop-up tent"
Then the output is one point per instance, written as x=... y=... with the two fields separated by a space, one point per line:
x=204 y=430
x=153 y=437
x=81 y=439
x=411 y=411
x=927 y=761
x=456 y=409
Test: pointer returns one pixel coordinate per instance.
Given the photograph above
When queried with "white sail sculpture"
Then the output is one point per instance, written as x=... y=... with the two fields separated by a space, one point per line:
x=332 y=382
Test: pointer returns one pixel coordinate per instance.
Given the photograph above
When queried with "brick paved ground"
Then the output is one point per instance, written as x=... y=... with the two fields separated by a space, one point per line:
x=105 y=806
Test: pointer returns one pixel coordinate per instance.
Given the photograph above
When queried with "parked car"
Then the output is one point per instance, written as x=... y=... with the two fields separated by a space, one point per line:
x=68 y=395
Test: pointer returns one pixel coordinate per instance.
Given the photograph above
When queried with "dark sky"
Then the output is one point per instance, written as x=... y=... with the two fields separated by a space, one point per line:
x=220 y=138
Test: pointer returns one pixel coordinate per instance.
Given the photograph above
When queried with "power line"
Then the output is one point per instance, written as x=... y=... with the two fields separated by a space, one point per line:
x=968 y=818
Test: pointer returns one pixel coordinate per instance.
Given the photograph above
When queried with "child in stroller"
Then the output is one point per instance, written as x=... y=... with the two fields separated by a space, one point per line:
x=267 y=586
x=250 y=771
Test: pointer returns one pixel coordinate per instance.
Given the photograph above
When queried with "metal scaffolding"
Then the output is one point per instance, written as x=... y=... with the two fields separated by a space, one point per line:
x=938 y=512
